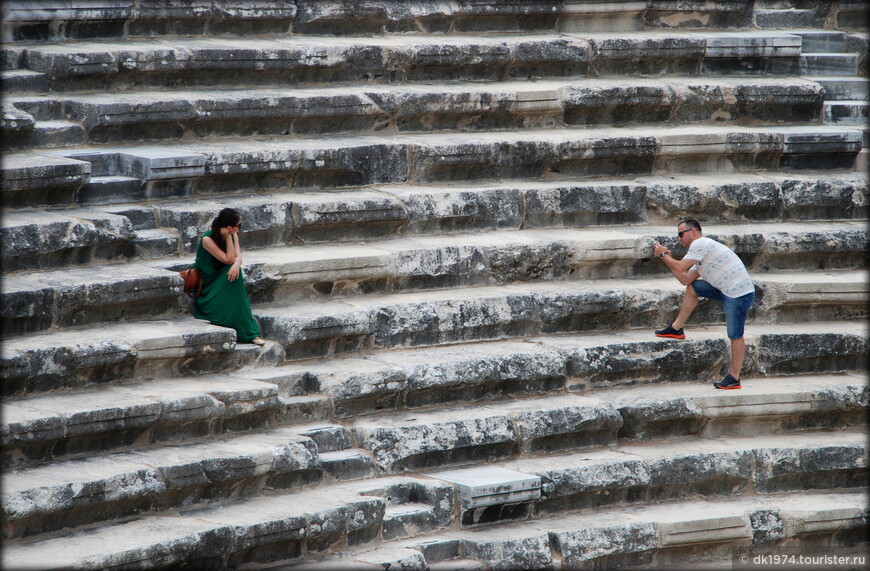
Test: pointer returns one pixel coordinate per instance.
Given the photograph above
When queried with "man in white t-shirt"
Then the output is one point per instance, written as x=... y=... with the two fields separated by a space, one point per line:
x=710 y=269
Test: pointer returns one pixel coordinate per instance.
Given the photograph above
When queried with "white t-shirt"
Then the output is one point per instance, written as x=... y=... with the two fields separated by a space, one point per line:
x=720 y=267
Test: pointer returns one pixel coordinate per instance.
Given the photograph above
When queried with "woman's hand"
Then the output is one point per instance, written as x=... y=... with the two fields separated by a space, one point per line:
x=233 y=272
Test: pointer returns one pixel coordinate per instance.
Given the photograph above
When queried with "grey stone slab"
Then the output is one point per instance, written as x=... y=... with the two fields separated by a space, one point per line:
x=509 y=548
x=447 y=209
x=113 y=353
x=159 y=539
x=406 y=442
x=646 y=54
x=50 y=497
x=42 y=239
x=812 y=461
x=477 y=371
x=36 y=179
x=585 y=479
x=676 y=14
x=486 y=486
x=790 y=353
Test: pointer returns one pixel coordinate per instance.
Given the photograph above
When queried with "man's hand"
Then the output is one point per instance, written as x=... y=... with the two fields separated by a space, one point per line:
x=658 y=249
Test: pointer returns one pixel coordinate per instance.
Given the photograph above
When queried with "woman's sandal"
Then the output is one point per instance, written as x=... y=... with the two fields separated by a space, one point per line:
x=258 y=341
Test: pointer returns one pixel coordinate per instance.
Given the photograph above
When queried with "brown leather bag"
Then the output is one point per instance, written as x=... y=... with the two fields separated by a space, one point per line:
x=192 y=282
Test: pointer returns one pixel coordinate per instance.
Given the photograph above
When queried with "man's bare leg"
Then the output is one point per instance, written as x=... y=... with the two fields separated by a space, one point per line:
x=738 y=352
x=690 y=301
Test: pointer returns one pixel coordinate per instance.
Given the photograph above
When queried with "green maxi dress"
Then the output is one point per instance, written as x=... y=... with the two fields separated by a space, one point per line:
x=223 y=302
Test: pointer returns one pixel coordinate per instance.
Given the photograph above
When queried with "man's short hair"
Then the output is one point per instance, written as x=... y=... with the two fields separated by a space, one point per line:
x=691 y=223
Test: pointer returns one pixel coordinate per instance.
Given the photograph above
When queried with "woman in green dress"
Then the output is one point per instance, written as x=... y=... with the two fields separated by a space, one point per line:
x=223 y=300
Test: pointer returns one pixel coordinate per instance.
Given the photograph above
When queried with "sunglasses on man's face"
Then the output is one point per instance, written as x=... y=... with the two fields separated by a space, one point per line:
x=681 y=232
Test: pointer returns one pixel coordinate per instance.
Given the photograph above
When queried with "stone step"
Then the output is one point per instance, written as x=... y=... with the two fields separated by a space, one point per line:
x=120 y=352
x=235 y=18
x=708 y=533
x=443 y=317
x=44 y=239
x=78 y=296
x=74 y=422
x=822 y=41
x=232 y=19
x=784 y=18
x=147 y=115
x=272 y=61
x=659 y=473
x=172 y=171
x=343 y=518
x=260 y=529
x=76 y=492
x=844 y=88
x=50 y=237
x=827 y=64
x=426 y=440
x=847 y=113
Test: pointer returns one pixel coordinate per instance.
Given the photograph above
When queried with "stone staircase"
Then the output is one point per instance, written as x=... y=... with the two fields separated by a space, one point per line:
x=448 y=214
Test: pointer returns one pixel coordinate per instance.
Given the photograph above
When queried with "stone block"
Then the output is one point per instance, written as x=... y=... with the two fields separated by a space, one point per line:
x=50 y=497
x=835 y=463
x=524 y=260
x=606 y=544
x=583 y=205
x=479 y=61
x=391 y=559
x=752 y=44
x=588 y=480
x=474 y=372
x=808 y=198
x=414 y=506
x=128 y=117
x=698 y=14
x=305 y=164
x=59 y=20
x=346 y=217
x=449 y=321
x=698 y=472
x=618 y=105
x=821 y=352
x=307 y=334
x=44 y=239
x=652 y=417
x=646 y=362
x=643 y=54
x=563 y=423
x=448 y=209
x=406 y=442
x=162 y=540
x=62 y=364
x=28 y=305
x=560 y=57
x=60 y=61
x=509 y=549
x=685 y=528
x=362 y=387
x=348 y=464
x=107 y=293
x=37 y=179
x=277 y=112
x=491 y=485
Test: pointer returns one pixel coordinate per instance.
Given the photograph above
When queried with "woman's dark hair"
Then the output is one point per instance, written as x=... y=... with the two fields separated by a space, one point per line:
x=226 y=217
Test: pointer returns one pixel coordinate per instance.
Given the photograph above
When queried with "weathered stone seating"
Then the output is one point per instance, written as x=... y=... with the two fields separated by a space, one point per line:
x=448 y=214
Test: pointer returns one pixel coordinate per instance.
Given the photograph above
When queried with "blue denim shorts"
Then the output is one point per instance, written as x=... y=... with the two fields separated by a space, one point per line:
x=736 y=308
